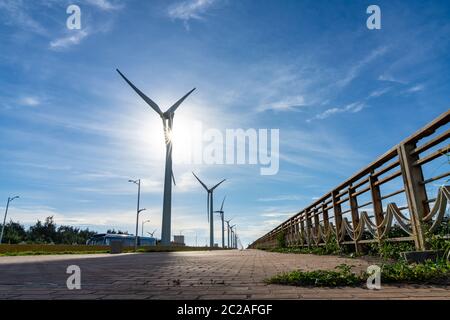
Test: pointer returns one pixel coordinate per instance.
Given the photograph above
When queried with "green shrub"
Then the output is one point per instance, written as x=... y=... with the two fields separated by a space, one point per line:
x=341 y=276
x=399 y=272
x=390 y=250
x=428 y=271
x=281 y=240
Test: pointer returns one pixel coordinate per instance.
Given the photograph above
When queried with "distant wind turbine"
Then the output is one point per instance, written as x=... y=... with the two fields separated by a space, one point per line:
x=232 y=235
x=209 y=208
x=222 y=217
x=152 y=233
x=167 y=118
x=228 y=230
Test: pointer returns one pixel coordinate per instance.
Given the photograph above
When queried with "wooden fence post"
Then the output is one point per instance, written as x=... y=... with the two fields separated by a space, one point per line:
x=337 y=216
x=316 y=223
x=326 y=221
x=302 y=228
x=308 y=228
x=376 y=202
x=415 y=191
x=355 y=216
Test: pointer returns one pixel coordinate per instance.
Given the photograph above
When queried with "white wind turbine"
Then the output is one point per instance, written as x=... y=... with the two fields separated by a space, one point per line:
x=209 y=208
x=232 y=236
x=167 y=118
x=222 y=217
x=228 y=230
x=152 y=233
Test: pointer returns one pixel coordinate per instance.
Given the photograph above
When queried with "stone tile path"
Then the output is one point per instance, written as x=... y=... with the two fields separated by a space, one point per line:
x=185 y=275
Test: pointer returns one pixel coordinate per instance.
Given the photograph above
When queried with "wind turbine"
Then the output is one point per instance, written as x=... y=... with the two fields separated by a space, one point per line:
x=228 y=230
x=232 y=235
x=167 y=119
x=209 y=208
x=221 y=212
x=152 y=233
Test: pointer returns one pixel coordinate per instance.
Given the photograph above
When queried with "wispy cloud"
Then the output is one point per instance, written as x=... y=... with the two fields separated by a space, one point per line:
x=355 y=70
x=390 y=78
x=288 y=104
x=379 y=92
x=190 y=9
x=69 y=40
x=29 y=101
x=415 y=88
x=15 y=13
x=281 y=198
x=105 y=5
x=350 y=108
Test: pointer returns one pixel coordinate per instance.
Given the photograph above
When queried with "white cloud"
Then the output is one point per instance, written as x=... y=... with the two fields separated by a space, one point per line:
x=288 y=104
x=281 y=198
x=390 y=78
x=105 y=5
x=379 y=93
x=69 y=40
x=29 y=101
x=350 y=108
x=416 y=88
x=190 y=9
x=16 y=14
x=355 y=70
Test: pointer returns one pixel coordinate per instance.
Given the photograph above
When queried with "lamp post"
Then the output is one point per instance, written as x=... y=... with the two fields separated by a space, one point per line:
x=142 y=230
x=6 y=213
x=138 y=183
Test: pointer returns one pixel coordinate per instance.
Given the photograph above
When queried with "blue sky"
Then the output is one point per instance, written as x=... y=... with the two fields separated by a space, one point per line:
x=72 y=133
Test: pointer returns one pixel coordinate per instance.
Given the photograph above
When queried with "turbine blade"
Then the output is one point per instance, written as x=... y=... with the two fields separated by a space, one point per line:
x=173 y=178
x=149 y=101
x=221 y=208
x=217 y=184
x=204 y=185
x=177 y=104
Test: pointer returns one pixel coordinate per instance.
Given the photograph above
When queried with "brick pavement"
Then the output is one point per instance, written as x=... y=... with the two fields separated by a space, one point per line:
x=186 y=275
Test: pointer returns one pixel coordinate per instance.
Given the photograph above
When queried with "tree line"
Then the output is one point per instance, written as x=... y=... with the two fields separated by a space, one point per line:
x=45 y=233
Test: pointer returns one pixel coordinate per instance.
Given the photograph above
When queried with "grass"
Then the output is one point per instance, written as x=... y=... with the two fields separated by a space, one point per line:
x=39 y=253
x=341 y=276
x=312 y=250
x=159 y=248
x=47 y=249
x=400 y=272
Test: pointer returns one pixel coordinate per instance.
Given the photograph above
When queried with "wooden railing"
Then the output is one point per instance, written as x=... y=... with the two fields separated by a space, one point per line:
x=362 y=208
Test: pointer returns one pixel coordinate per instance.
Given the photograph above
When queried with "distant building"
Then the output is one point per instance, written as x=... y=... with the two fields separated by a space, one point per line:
x=178 y=240
x=105 y=239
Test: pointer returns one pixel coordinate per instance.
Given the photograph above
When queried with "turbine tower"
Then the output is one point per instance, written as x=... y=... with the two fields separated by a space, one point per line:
x=167 y=119
x=221 y=212
x=209 y=208
x=232 y=235
x=228 y=231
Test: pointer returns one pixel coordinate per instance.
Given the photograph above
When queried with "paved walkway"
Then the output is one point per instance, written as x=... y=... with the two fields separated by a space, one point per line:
x=185 y=275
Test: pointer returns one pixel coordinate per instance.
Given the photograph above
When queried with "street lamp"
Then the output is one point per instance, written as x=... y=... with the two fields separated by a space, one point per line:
x=6 y=213
x=142 y=229
x=138 y=183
